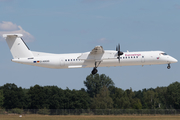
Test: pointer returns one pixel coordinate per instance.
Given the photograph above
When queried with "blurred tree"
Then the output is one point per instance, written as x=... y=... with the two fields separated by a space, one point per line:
x=102 y=100
x=102 y=90
x=136 y=103
x=53 y=97
x=116 y=94
x=14 y=97
x=173 y=95
x=162 y=104
x=36 y=98
x=1 y=99
x=95 y=82
x=151 y=99
x=124 y=103
x=76 y=99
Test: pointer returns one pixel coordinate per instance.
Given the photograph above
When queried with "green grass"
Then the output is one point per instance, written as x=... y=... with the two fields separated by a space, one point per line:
x=90 y=117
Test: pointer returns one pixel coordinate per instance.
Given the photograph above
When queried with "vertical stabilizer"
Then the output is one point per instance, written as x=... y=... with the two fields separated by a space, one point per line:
x=17 y=46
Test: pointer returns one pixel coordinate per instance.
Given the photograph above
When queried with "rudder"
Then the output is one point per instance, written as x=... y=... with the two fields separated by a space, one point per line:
x=17 y=46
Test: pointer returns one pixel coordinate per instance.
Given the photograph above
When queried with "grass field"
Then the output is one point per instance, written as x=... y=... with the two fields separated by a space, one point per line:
x=93 y=117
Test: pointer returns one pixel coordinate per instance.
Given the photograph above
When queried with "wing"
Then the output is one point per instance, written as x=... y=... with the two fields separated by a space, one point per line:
x=95 y=54
x=98 y=54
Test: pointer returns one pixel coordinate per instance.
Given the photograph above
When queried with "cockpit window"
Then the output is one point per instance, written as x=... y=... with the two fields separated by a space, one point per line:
x=163 y=53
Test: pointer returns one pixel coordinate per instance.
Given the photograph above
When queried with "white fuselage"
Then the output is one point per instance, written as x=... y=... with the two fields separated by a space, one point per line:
x=98 y=57
x=61 y=61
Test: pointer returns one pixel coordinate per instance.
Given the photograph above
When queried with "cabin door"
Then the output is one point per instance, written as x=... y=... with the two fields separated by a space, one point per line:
x=142 y=59
x=62 y=61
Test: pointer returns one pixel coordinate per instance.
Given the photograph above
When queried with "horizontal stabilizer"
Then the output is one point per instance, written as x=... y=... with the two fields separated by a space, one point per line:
x=9 y=35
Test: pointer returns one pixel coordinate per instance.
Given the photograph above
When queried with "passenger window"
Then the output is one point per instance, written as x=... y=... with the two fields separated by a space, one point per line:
x=142 y=56
x=136 y=56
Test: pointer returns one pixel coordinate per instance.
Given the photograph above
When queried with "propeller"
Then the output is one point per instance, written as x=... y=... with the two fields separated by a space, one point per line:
x=119 y=52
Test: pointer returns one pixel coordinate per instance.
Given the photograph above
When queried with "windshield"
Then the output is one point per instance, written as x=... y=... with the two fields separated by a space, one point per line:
x=164 y=53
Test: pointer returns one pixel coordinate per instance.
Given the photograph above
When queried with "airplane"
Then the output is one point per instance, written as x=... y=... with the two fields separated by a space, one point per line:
x=98 y=57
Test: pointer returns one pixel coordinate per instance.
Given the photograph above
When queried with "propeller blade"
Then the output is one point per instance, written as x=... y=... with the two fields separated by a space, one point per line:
x=118 y=47
x=118 y=52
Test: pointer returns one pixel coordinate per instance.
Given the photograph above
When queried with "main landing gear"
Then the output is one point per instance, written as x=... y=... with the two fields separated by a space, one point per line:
x=168 y=67
x=118 y=54
x=94 y=71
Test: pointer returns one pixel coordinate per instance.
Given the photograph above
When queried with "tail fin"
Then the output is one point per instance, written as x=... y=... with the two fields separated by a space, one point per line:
x=17 y=46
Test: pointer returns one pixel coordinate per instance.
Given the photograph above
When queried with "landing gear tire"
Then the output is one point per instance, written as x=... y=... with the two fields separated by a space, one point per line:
x=94 y=71
x=168 y=67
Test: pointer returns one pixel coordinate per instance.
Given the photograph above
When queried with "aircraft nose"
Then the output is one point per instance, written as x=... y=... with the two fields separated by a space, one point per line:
x=176 y=60
x=173 y=60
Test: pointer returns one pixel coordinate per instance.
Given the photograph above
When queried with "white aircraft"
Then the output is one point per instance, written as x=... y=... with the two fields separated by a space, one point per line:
x=98 y=57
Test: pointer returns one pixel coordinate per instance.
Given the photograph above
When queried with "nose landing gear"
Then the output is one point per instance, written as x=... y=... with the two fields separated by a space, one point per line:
x=168 y=67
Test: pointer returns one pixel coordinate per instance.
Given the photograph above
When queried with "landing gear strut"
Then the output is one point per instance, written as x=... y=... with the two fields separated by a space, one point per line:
x=94 y=71
x=168 y=67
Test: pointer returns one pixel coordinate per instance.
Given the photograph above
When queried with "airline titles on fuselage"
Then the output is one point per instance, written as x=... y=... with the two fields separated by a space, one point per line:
x=132 y=54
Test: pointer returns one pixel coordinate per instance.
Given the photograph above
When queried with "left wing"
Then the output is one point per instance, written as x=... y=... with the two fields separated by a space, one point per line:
x=97 y=54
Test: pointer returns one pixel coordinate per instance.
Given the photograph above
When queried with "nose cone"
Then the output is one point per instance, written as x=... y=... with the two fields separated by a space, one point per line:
x=173 y=60
x=176 y=60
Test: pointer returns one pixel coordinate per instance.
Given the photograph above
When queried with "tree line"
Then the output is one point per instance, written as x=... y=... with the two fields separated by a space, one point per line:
x=100 y=93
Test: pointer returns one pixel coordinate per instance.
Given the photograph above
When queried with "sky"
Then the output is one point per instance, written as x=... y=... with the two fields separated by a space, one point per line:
x=77 y=26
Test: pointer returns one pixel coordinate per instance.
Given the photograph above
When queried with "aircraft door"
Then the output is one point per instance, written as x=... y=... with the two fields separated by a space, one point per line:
x=142 y=59
x=62 y=61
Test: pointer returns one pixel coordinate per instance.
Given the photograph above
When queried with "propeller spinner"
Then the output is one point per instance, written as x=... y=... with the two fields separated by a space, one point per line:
x=119 y=52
